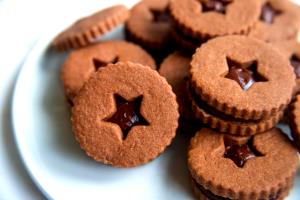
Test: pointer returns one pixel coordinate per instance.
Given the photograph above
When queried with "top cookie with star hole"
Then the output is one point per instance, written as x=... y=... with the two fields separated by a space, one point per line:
x=242 y=77
x=211 y=18
x=125 y=115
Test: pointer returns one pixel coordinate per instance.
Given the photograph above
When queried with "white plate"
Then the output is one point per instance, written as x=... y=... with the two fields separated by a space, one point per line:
x=60 y=169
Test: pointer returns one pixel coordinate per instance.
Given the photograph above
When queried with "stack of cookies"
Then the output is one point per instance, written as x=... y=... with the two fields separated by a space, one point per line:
x=232 y=66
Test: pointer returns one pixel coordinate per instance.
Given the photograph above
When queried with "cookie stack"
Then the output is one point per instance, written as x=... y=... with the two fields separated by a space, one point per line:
x=232 y=66
x=240 y=85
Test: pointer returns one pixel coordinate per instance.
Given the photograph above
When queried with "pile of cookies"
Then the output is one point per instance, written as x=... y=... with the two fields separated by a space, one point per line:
x=228 y=72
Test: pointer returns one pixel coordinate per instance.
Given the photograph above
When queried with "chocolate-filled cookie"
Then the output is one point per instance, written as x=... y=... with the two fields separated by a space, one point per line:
x=279 y=20
x=203 y=19
x=86 y=30
x=149 y=24
x=228 y=124
x=82 y=63
x=175 y=68
x=242 y=77
x=291 y=50
x=125 y=115
x=261 y=167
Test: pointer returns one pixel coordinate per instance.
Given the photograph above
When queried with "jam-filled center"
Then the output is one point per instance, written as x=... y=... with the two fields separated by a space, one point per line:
x=127 y=114
x=245 y=74
x=160 y=16
x=268 y=13
x=215 y=5
x=295 y=62
x=100 y=63
x=240 y=154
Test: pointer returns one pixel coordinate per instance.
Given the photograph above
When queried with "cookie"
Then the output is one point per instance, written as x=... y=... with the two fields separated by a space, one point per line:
x=208 y=18
x=149 y=24
x=242 y=77
x=263 y=167
x=291 y=50
x=175 y=68
x=228 y=124
x=88 y=29
x=125 y=115
x=294 y=120
x=203 y=194
x=279 y=20
x=82 y=63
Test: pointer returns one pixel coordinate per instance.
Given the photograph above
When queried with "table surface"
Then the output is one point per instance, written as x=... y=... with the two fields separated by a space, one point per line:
x=22 y=23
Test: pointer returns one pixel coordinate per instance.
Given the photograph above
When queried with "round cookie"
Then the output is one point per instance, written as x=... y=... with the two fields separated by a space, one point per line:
x=294 y=121
x=207 y=18
x=125 y=115
x=175 y=68
x=203 y=194
x=82 y=63
x=88 y=29
x=262 y=168
x=279 y=20
x=242 y=77
x=227 y=124
x=291 y=50
x=149 y=24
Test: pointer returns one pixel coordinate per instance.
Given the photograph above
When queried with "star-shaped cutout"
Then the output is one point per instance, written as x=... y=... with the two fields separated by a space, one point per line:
x=100 y=63
x=127 y=114
x=295 y=62
x=268 y=13
x=160 y=15
x=245 y=74
x=240 y=154
x=215 y=5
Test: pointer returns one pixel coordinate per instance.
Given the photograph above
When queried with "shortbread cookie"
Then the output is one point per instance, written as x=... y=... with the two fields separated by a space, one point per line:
x=125 y=115
x=82 y=63
x=88 y=29
x=262 y=168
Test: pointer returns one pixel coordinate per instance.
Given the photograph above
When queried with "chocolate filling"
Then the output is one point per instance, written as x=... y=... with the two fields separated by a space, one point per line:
x=268 y=13
x=240 y=154
x=245 y=74
x=212 y=111
x=295 y=62
x=127 y=114
x=99 y=63
x=212 y=196
x=215 y=5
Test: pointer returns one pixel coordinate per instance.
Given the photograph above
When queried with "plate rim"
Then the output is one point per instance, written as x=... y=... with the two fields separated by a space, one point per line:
x=38 y=45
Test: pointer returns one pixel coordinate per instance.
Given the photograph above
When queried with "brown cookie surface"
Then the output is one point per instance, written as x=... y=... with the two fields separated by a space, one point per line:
x=279 y=20
x=86 y=30
x=125 y=115
x=149 y=24
x=262 y=168
x=228 y=124
x=294 y=120
x=82 y=63
x=203 y=194
x=291 y=50
x=242 y=77
x=175 y=68
x=201 y=19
